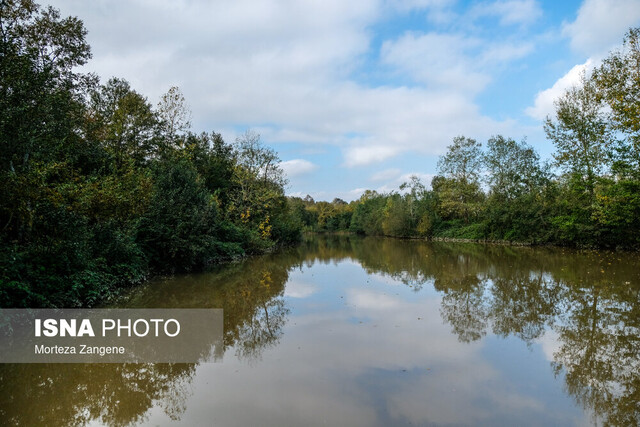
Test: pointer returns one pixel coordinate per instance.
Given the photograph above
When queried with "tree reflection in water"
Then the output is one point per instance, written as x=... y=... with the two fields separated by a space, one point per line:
x=251 y=295
x=70 y=394
x=588 y=301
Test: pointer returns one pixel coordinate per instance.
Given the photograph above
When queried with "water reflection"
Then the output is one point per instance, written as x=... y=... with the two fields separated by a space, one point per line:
x=75 y=394
x=122 y=394
x=364 y=331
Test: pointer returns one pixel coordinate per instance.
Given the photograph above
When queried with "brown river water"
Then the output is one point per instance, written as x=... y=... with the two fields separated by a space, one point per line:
x=353 y=331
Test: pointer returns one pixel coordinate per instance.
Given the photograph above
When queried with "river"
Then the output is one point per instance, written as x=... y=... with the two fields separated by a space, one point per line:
x=355 y=331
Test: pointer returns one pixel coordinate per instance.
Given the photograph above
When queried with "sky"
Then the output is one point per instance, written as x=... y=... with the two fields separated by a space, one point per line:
x=356 y=94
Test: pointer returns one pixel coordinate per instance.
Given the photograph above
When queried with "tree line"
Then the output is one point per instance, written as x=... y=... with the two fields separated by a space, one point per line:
x=588 y=195
x=99 y=188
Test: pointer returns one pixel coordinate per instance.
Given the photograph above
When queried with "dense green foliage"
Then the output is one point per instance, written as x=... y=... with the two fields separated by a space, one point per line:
x=99 y=189
x=589 y=196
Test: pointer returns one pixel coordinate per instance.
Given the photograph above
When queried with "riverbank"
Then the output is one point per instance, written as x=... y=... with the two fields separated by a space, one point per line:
x=431 y=238
x=479 y=241
x=485 y=241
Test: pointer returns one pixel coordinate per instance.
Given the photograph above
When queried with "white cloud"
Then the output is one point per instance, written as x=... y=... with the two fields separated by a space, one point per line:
x=544 y=103
x=599 y=27
x=438 y=11
x=386 y=175
x=510 y=12
x=454 y=62
x=287 y=69
x=366 y=154
x=505 y=52
x=350 y=195
x=601 y=24
x=437 y=60
x=297 y=167
x=405 y=5
x=205 y=44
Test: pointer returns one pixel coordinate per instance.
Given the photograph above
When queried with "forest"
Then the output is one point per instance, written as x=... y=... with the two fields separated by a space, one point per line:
x=587 y=195
x=100 y=189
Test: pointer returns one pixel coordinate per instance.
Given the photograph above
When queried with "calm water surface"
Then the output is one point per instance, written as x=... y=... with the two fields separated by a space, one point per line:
x=349 y=331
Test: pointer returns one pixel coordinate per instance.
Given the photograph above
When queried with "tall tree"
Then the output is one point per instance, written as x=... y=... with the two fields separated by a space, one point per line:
x=215 y=162
x=40 y=98
x=396 y=217
x=618 y=80
x=259 y=183
x=579 y=132
x=125 y=122
x=40 y=105
x=517 y=184
x=513 y=168
x=260 y=161
x=458 y=186
x=174 y=114
x=462 y=161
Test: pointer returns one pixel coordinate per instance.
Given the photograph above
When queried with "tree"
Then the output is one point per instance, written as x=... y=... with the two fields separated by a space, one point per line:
x=417 y=192
x=396 y=217
x=174 y=114
x=257 y=197
x=617 y=205
x=260 y=161
x=513 y=168
x=516 y=203
x=88 y=202
x=367 y=215
x=123 y=120
x=462 y=161
x=458 y=188
x=579 y=132
x=182 y=228
x=618 y=82
x=40 y=98
x=325 y=212
x=215 y=162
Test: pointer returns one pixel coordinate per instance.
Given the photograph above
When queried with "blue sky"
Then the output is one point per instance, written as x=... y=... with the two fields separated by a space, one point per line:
x=356 y=94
